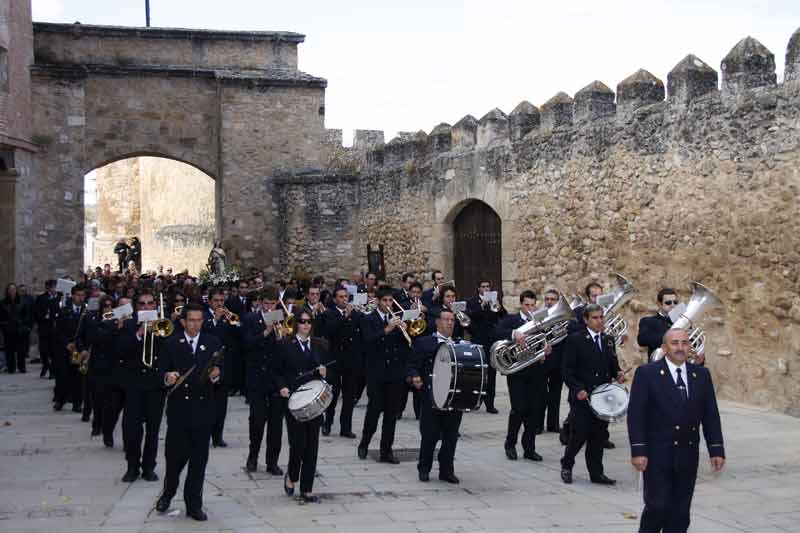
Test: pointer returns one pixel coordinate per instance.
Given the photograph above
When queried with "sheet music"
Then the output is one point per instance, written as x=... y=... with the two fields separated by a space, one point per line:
x=459 y=306
x=64 y=285
x=147 y=316
x=273 y=317
x=360 y=298
x=410 y=314
x=93 y=304
x=123 y=311
x=489 y=296
x=605 y=300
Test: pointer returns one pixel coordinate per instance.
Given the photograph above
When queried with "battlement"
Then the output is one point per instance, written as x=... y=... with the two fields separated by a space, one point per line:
x=749 y=67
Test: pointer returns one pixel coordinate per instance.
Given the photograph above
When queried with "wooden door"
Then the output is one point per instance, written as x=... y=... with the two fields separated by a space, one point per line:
x=476 y=236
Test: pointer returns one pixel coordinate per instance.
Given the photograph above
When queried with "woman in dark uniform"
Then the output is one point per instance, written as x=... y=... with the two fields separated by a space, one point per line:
x=300 y=360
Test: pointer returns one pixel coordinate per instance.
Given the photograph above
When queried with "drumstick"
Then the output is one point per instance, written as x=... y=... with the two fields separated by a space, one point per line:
x=326 y=365
x=181 y=379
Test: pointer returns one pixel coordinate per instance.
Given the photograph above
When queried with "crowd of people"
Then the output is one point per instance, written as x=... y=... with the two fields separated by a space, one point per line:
x=198 y=345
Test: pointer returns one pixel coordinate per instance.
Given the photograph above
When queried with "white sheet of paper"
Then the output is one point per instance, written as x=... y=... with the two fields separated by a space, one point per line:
x=459 y=306
x=360 y=298
x=410 y=314
x=351 y=289
x=122 y=311
x=147 y=316
x=64 y=285
x=274 y=316
x=605 y=300
x=490 y=296
x=93 y=304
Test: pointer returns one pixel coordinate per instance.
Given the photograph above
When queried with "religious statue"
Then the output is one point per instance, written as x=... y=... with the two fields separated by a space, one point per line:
x=216 y=259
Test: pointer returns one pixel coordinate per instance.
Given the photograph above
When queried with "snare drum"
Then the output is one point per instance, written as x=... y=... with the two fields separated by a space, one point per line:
x=609 y=402
x=310 y=400
x=459 y=377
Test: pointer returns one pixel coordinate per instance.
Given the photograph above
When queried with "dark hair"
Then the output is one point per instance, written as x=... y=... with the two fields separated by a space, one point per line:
x=591 y=308
x=482 y=280
x=446 y=310
x=289 y=293
x=318 y=280
x=552 y=291
x=142 y=292
x=371 y=273
x=587 y=291
x=407 y=275
x=416 y=284
x=50 y=283
x=526 y=294
x=337 y=290
x=106 y=299
x=270 y=292
x=16 y=296
x=213 y=292
x=383 y=292
x=78 y=287
x=663 y=292
x=444 y=288
x=191 y=307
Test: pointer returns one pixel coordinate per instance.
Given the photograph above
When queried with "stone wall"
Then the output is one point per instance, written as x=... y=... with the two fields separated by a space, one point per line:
x=169 y=205
x=701 y=186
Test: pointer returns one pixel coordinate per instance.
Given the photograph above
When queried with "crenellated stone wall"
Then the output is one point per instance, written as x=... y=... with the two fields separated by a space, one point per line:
x=700 y=186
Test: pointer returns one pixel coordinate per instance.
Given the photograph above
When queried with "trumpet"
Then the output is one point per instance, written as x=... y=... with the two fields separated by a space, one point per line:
x=83 y=367
x=230 y=316
x=178 y=309
x=461 y=316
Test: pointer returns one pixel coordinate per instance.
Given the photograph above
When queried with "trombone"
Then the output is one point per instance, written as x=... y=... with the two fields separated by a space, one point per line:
x=162 y=327
x=412 y=327
x=230 y=316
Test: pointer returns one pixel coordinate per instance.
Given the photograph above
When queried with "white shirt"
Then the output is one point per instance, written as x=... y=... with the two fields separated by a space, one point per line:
x=594 y=336
x=192 y=341
x=304 y=344
x=684 y=377
x=442 y=338
x=383 y=316
x=524 y=317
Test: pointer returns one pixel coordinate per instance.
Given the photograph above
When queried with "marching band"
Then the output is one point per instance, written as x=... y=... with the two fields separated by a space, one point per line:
x=294 y=351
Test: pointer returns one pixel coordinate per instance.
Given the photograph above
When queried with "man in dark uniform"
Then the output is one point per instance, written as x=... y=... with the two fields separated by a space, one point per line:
x=135 y=253
x=238 y=301
x=144 y=394
x=68 y=383
x=46 y=312
x=431 y=296
x=403 y=294
x=652 y=328
x=121 y=249
x=386 y=350
x=526 y=387
x=107 y=338
x=341 y=326
x=434 y=424
x=447 y=296
x=669 y=401
x=216 y=323
x=190 y=409
x=266 y=406
x=590 y=359
x=484 y=321
x=553 y=380
x=315 y=307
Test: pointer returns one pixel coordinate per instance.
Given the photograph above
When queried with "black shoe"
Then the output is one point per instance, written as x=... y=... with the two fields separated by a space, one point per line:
x=162 y=505
x=96 y=432
x=511 y=453
x=326 y=430
x=85 y=418
x=539 y=431
x=563 y=437
x=286 y=488
x=424 y=476
x=149 y=475
x=130 y=476
x=449 y=478
x=251 y=465
x=566 y=476
x=389 y=458
x=219 y=444
x=603 y=479
x=43 y=374
x=347 y=434
x=532 y=455
x=23 y=371
x=275 y=470
x=399 y=416
x=77 y=409
x=608 y=445
x=362 y=451
x=555 y=429
x=108 y=440
x=491 y=410
x=310 y=498
x=57 y=406
x=197 y=514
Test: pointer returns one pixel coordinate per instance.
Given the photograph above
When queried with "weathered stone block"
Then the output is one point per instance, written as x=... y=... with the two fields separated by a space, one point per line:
x=557 y=111
x=523 y=119
x=492 y=127
x=364 y=140
x=464 y=132
x=440 y=138
x=639 y=89
x=792 y=72
x=594 y=101
x=691 y=78
x=748 y=65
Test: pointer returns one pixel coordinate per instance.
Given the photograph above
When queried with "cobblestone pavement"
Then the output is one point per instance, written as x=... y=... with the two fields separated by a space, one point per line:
x=56 y=478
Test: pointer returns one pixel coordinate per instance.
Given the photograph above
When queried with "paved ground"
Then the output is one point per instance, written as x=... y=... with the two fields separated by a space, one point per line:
x=55 y=478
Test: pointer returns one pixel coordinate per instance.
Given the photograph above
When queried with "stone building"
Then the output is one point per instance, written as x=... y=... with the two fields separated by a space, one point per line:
x=695 y=180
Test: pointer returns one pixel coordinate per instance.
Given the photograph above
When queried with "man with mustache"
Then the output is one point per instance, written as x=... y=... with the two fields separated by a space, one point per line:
x=669 y=401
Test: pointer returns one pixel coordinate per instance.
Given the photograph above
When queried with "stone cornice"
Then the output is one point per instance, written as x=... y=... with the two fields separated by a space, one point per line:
x=77 y=29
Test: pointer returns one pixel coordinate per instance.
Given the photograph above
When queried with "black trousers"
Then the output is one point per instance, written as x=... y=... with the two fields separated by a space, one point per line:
x=415 y=401
x=69 y=386
x=220 y=410
x=668 y=492
x=266 y=411
x=527 y=397
x=15 y=350
x=491 y=379
x=551 y=406
x=47 y=351
x=109 y=400
x=384 y=398
x=87 y=394
x=353 y=382
x=303 y=450
x=585 y=428
x=333 y=377
x=142 y=418
x=436 y=425
x=186 y=444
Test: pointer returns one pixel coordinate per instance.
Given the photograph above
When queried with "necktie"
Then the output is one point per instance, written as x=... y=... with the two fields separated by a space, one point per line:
x=191 y=345
x=599 y=343
x=385 y=320
x=681 y=386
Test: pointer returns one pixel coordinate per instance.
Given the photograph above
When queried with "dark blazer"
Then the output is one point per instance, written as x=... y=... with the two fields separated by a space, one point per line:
x=257 y=350
x=584 y=367
x=420 y=362
x=344 y=338
x=102 y=337
x=403 y=298
x=293 y=366
x=427 y=297
x=230 y=338
x=484 y=321
x=664 y=429
x=192 y=403
x=234 y=304
x=45 y=312
x=386 y=355
x=132 y=372
x=652 y=330
x=503 y=331
x=433 y=314
x=67 y=326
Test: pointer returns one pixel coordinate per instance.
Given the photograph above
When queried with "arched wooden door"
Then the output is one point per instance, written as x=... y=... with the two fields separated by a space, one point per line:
x=476 y=236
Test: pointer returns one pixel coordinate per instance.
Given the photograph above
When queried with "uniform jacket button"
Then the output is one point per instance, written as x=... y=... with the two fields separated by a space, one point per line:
x=678 y=427
x=188 y=398
x=676 y=443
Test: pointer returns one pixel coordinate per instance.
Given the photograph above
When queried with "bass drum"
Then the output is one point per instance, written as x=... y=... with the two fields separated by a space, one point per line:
x=459 y=377
x=310 y=400
x=609 y=402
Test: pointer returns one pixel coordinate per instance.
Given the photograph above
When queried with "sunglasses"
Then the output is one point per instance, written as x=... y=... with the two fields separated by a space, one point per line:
x=304 y=321
x=670 y=302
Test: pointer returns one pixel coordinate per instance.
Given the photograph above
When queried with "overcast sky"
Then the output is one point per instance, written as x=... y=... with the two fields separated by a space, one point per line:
x=406 y=66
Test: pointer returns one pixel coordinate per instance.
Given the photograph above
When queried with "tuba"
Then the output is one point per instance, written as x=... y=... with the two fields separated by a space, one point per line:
x=702 y=298
x=615 y=325
x=546 y=327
